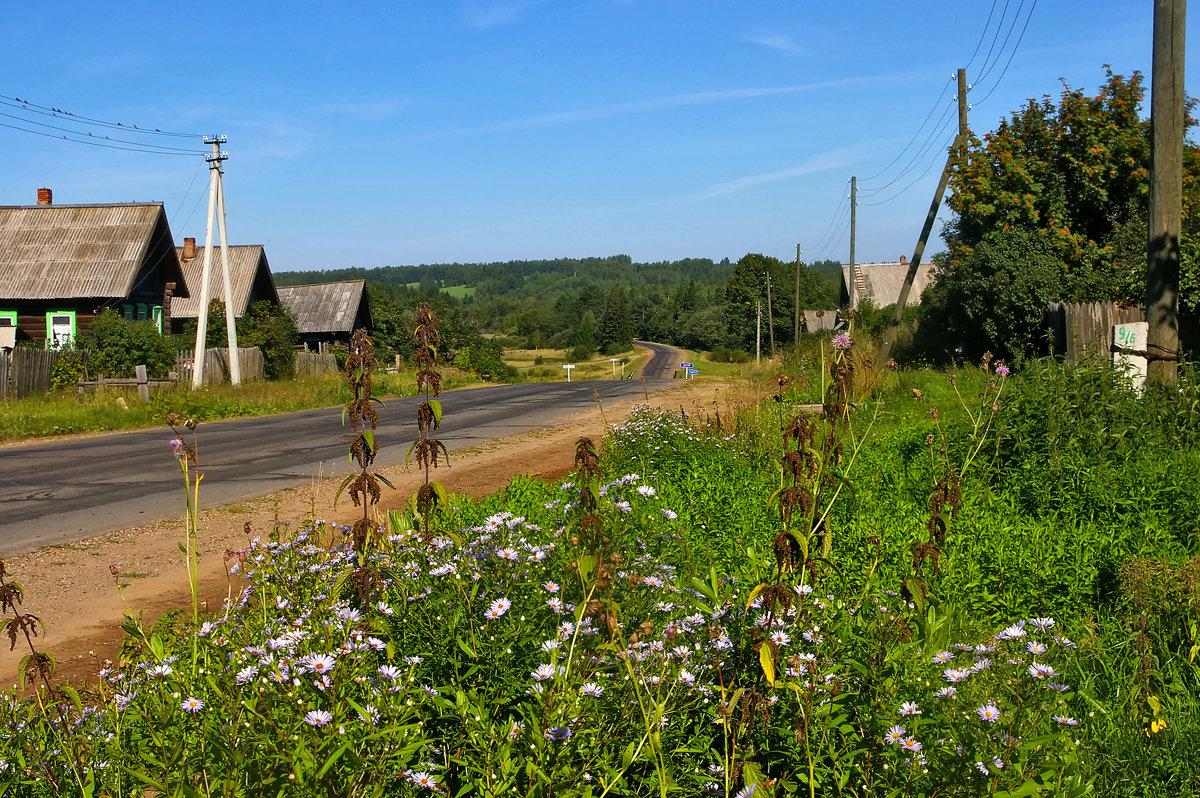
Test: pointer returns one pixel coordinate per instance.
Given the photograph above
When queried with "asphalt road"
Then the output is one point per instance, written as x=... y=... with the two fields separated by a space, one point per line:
x=663 y=363
x=70 y=489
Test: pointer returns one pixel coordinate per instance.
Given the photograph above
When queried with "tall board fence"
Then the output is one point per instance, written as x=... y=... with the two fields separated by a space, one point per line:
x=25 y=371
x=216 y=365
x=1079 y=330
x=315 y=363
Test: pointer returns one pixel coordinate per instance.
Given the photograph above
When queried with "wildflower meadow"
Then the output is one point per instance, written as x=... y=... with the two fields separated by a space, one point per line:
x=879 y=598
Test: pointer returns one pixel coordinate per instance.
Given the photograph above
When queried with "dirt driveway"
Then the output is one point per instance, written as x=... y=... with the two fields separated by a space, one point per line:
x=71 y=589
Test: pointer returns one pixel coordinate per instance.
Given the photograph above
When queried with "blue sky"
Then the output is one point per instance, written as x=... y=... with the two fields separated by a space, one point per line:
x=396 y=133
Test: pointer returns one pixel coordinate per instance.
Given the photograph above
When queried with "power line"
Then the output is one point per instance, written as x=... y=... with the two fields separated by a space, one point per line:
x=999 y=25
x=1020 y=38
x=914 y=136
x=148 y=147
x=841 y=212
x=96 y=143
x=59 y=113
x=982 y=35
x=934 y=136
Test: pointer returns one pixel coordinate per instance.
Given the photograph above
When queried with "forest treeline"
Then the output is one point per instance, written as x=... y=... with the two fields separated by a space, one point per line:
x=588 y=305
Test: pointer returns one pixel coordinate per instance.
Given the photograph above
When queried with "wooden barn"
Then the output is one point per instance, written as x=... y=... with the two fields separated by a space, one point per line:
x=250 y=278
x=882 y=282
x=327 y=313
x=61 y=265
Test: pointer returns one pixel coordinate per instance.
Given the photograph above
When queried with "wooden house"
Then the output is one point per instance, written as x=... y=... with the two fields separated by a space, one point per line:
x=62 y=265
x=882 y=282
x=327 y=313
x=250 y=278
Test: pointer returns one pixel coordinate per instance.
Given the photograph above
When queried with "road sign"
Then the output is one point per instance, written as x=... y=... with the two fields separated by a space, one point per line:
x=693 y=372
x=686 y=365
x=568 y=367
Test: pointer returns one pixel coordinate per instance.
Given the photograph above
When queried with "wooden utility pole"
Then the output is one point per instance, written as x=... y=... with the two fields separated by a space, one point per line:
x=770 y=316
x=1167 y=125
x=853 y=229
x=216 y=205
x=796 y=323
x=889 y=337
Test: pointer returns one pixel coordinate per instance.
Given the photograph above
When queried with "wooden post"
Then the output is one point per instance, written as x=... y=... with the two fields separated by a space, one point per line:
x=143 y=383
x=1167 y=126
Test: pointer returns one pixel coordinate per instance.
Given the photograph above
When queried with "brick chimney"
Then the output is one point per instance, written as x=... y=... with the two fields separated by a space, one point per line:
x=903 y=260
x=45 y=196
x=189 y=248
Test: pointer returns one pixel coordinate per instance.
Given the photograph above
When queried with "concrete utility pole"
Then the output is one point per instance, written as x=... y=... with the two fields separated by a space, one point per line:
x=796 y=323
x=853 y=226
x=1167 y=126
x=216 y=204
x=889 y=337
x=770 y=316
x=758 y=332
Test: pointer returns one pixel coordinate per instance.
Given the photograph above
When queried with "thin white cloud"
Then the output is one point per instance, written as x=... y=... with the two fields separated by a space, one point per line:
x=484 y=14
x=366 y=111
x=657 y=104
x=832 y=159
x=775 y=41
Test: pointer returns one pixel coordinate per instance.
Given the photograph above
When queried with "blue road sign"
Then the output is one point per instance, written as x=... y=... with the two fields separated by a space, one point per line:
x=686 y=365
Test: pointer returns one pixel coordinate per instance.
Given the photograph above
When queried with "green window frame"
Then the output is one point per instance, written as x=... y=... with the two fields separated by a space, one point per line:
x=11 y=315
x=156 y=317
x=50 y=314
x=141 y=311
x=127 y=312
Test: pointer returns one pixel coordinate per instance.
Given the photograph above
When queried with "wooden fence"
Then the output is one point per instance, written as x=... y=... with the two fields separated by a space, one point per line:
x=216 y=365
x=315 y=363
x=1077 y=330
x=25 y=371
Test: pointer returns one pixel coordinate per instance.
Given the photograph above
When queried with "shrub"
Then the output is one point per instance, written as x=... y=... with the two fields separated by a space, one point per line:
x=117 y=346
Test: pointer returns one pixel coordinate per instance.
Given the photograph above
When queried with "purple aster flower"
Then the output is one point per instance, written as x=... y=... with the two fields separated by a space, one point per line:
x=895 y=735
x=988 y=712
x=317 y=717
x=1066 y=720
x=842 y=341
x=558 y=734
x=497 y=608
x=192 y=705
x=910 y=708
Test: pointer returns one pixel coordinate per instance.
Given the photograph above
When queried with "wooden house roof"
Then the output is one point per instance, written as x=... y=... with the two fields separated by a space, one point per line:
x=327 y=307
x=53 y=252
x=882 y=282
x=248 y=269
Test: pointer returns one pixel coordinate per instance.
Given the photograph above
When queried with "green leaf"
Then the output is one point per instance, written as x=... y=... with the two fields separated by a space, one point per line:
x=436 y=407
x=342 y=487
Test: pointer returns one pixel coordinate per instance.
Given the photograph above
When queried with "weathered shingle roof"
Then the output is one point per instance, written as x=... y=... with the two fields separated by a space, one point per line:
x=882 y=282
x=325 y=307
x=245 y=261
x=81 y=251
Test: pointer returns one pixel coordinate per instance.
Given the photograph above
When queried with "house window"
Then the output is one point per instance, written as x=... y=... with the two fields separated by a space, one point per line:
x=127 y=312
x=8 y=318
x=141 y=312
x=60 y=328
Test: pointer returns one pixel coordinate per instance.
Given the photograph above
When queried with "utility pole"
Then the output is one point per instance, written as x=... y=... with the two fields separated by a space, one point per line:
x=770 y=317
x=796 y=323
x=960 y=141
x=853 y=227
x=758 y=333
x=1167 y=112
x=216 y=204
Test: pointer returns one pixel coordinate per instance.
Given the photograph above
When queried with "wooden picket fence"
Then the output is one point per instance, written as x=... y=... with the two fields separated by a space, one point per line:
x=1079 y=330
x=25 y=370
x=216 y=365
x=315 y=363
